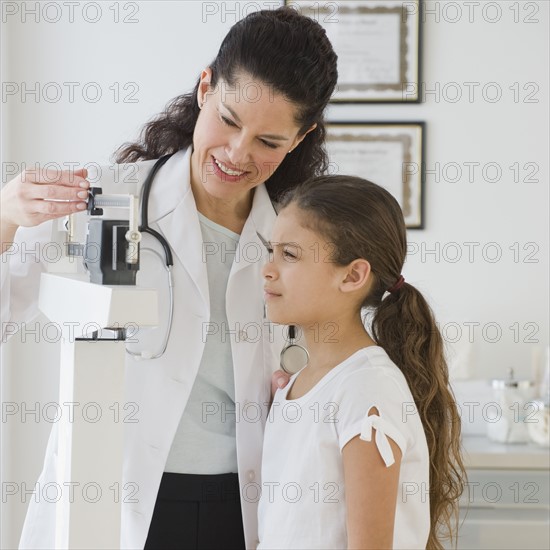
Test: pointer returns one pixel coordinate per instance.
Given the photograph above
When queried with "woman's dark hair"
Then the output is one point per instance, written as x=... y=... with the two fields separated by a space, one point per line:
x=284 y=50
x=363 y=220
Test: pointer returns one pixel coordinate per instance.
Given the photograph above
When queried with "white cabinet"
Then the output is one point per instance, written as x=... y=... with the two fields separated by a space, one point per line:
x=505 y=509
x=506 y=504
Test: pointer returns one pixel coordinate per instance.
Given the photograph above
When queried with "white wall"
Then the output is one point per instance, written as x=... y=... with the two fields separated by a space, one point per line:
x=163 y=53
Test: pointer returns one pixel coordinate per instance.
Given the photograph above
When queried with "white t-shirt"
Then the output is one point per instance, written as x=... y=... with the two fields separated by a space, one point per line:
x=302 y=503
x=205 y=443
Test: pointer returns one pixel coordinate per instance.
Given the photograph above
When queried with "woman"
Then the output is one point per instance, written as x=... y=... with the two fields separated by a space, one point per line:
x=251 y=128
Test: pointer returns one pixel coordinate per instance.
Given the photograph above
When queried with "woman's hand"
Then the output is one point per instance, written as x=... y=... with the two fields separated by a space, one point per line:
x=279 y=380
x=34 y=197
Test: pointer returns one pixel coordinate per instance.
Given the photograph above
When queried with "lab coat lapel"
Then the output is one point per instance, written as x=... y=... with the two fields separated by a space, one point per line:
x=175 y=213
x=260 y=221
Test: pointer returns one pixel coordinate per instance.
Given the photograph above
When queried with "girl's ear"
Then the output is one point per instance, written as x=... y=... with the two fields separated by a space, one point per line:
x=356 y=276
x=204 y=86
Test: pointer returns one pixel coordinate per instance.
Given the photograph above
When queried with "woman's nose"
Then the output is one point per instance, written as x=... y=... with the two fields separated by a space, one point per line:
x=237 y=151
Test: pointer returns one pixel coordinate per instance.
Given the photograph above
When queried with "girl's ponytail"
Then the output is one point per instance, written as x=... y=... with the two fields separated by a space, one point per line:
x=403 y=324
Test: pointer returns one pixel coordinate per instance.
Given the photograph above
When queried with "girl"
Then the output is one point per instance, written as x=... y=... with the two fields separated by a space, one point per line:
x=361 y=448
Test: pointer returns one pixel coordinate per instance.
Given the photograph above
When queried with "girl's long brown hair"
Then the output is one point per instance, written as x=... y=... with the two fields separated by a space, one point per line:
x=363 y=220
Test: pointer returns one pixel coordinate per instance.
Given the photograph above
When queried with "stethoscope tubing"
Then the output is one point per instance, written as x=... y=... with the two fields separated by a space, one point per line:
x=144 y=226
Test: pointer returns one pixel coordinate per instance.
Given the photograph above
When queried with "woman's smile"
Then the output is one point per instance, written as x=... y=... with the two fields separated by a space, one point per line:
x=227 y=172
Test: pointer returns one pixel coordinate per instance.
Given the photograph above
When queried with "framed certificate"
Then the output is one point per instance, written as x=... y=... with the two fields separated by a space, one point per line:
x=378 y=43
x=390 y=154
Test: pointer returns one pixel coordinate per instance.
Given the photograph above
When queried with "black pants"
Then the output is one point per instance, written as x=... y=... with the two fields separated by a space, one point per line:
x=197 y=512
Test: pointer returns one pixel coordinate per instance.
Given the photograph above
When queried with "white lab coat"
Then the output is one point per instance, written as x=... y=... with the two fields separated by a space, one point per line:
x=161 y=387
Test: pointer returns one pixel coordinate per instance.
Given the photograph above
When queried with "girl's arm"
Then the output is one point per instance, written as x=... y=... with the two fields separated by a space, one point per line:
x=371 y=493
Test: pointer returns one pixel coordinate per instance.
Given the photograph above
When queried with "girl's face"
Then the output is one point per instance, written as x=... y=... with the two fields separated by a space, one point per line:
x=242 y=135
x=302 y=283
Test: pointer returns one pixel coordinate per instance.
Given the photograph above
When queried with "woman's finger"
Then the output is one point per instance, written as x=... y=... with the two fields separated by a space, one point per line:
x=56 y=192
x=69 y=178
x=279 y=380
x=56 y=209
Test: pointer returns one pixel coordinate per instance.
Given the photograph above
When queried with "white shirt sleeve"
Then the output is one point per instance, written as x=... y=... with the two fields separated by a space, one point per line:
x=374 y=388
x=21 y=267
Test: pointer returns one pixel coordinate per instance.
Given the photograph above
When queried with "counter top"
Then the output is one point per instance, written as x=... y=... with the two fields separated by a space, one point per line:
x=480 y=452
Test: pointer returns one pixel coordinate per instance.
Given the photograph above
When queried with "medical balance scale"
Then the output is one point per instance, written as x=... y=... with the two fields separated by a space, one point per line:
x=94 y=301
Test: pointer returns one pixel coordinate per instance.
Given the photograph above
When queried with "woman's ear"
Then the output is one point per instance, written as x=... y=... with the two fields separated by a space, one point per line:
x=204 y=86
x=356 y=276
x=299 y=139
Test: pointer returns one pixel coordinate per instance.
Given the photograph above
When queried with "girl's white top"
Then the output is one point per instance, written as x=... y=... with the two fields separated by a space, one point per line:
x=302 y=503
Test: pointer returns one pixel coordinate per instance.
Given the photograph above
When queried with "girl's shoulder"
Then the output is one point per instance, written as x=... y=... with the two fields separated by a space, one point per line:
x=372 y=384
x=372 y=367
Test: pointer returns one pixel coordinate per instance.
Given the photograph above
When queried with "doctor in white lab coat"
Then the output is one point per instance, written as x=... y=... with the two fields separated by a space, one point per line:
x=161 y=387
x=233 y=157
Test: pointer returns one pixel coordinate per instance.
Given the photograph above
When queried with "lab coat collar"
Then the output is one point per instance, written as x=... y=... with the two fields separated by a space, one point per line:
x=258 y=226
x=174 y=211
x=171 y=186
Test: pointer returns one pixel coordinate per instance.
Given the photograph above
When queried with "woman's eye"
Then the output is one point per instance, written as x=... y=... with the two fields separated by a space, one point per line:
x=269 y=144
x=288 y=254
x=227 y=121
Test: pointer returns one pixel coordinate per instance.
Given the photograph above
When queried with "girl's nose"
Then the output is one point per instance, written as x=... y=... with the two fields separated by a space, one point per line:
x=268 y=270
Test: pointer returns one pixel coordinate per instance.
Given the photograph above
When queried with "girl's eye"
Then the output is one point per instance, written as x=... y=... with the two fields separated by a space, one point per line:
x=288 y=254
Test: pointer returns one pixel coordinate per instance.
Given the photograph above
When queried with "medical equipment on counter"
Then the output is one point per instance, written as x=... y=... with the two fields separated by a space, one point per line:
x=510 y=422
x=539 y=427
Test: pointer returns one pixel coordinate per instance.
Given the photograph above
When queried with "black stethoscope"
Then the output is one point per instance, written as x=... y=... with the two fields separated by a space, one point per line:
x=144 y=226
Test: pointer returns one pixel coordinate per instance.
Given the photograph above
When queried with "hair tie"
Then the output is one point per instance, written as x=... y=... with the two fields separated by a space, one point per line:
x=397 y=285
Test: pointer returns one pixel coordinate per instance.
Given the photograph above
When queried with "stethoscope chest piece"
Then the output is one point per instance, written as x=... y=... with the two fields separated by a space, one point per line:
x=294 y=357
